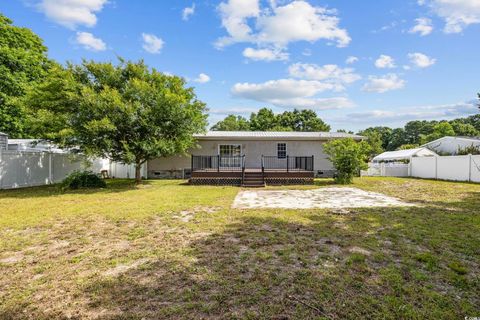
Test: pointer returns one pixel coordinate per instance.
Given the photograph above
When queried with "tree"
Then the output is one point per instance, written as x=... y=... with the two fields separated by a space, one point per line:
x=302 y=120
x=264 y=120
x=440 y=130
x=397 y=138
x=126 y=112
x=374 y=143
x=348 y=158
x=23 y=62
x=463 y=129
x=232 y=123
x=384 y=132
x=416 y=131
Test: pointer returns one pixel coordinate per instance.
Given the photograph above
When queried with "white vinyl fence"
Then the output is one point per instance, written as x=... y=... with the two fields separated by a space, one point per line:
x=25 y=169
x=387 y=170
x=455 y=168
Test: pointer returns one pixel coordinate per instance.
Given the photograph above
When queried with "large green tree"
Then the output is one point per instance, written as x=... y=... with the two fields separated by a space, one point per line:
x=263 y=120
x=266 y=120
x=384 y=133
x=125 y=112
x=440 y=130
x=302 y=120
x=232 y=123
x=23 y=62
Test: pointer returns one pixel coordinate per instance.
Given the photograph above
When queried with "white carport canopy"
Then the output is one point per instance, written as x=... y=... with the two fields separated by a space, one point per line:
x=404 y=154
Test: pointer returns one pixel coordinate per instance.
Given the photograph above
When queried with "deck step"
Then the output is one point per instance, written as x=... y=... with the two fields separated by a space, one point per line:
x=253 y=180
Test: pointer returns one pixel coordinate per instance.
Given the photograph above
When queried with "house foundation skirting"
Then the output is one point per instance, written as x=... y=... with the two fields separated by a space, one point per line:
x=221 y=181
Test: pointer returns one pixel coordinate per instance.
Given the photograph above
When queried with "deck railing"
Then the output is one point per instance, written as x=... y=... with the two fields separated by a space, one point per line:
x=288 y=163
x=218 y=163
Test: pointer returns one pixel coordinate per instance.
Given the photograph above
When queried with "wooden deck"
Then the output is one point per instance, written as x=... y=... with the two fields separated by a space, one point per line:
x=238 y=177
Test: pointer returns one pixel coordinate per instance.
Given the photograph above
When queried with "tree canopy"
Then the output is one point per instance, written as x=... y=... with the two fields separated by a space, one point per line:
x=23 y=62
x=348 y=157
x=266 y=120
x=125 y=112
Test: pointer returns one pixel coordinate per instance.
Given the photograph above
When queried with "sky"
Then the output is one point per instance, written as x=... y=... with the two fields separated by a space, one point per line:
x=356 y=63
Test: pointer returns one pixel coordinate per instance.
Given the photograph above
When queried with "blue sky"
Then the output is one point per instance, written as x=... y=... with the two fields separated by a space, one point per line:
x=357 y=63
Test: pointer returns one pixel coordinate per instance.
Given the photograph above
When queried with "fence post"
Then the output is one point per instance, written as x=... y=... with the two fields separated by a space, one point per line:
x=50 y=166
x=469 y=168
x=1 y=170
x=409 y=173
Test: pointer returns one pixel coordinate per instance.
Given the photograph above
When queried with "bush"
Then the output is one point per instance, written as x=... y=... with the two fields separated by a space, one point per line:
x=348 y=158
x=82 y=179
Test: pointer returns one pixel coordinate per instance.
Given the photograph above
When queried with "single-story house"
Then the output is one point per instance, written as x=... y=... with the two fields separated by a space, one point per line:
x=451 y=145
x=402 y=155
x=246 y=157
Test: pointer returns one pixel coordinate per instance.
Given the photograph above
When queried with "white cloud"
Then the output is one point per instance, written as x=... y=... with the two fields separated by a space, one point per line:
x=278 y=25
x=291 y=93
x=72 y=13
x=385 y=61
x=351 y=60
x=152 y=43
x=457 y=14
x=329 y=73
x=383 y=84
x=421 y=60
x=188 y=11
x=265 y=54
x=90 y=42
x=202 y=78
x=423 y=26
x=404 y=114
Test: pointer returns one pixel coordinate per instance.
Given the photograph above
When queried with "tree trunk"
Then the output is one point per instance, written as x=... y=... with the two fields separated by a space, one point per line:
x=138 y=173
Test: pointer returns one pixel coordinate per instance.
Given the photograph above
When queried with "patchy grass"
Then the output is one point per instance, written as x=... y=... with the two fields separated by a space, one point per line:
x=166 y=250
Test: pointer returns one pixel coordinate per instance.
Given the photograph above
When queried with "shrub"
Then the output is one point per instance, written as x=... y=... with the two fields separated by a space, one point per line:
x=82 y=179
x=348 y=158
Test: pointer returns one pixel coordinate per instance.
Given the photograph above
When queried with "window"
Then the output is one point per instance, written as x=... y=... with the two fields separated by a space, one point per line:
x=230 y=150
x=281 y=150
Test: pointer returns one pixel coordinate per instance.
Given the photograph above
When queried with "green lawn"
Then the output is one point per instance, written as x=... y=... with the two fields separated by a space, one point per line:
x=166 y=250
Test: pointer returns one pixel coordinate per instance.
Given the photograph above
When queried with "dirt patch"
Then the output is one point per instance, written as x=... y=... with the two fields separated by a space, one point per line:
x=12 y=259
x=323 y=198
x=187 y=215
x=122 y=268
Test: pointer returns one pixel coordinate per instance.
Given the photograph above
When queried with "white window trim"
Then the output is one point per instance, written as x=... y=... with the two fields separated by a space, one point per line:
x=230 y=144
x=286 y=149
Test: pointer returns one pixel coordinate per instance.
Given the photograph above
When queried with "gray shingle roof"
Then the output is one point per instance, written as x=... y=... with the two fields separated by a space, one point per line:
x=266 y=135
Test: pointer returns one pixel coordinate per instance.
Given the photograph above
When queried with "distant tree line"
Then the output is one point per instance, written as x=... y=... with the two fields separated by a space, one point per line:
x=266 y=120
x=416 y=133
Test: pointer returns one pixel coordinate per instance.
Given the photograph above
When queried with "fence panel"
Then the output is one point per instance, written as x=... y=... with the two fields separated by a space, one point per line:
x=455 y=168
x=23 y=169
x=64 y=164
x=423 y=167
x=395 y=170
x=475 y=169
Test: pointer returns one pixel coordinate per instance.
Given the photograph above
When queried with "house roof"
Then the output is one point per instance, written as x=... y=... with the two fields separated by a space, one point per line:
x=404 y=154
x=274 y=135
x=472 y=139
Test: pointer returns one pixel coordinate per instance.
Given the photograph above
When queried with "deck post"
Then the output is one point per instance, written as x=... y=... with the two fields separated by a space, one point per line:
x=288 y=158
x=313 y=167
x=218 y=163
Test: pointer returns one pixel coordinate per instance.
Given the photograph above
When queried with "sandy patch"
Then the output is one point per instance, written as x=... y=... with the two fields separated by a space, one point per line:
x=122 y=268
x=323 y=198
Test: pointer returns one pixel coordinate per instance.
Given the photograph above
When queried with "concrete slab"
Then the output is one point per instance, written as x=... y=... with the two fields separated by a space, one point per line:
x=322 y=198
